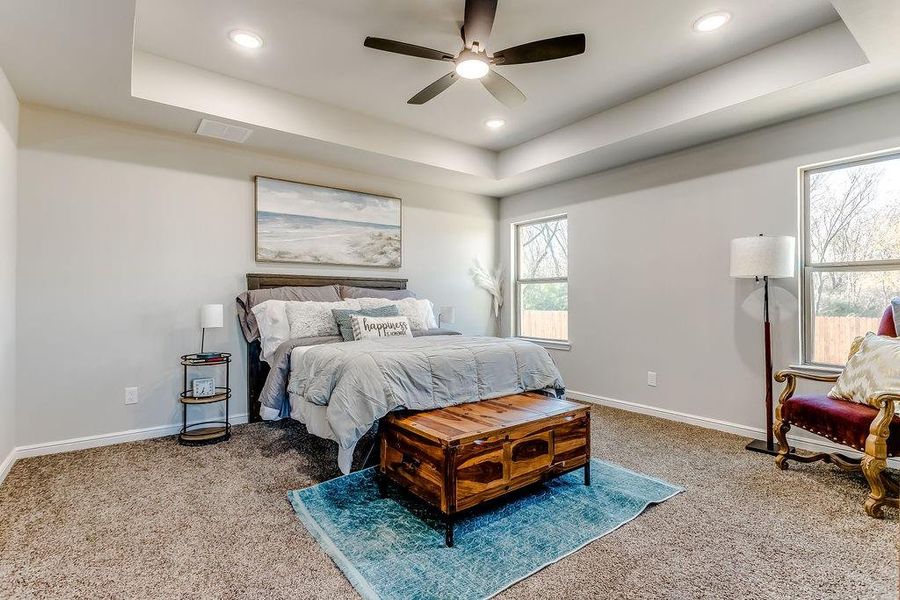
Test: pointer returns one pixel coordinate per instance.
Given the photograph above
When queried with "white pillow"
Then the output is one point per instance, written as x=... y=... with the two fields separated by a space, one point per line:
x=874 y=368
x=369 y=328
x=420 y=312
x=274 y=328
x=313 y=319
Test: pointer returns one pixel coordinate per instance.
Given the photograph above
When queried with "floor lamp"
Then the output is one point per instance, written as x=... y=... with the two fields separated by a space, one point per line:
x=766 y=257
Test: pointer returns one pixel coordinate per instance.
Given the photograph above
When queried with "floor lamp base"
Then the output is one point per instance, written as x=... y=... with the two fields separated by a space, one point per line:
x=761 y=447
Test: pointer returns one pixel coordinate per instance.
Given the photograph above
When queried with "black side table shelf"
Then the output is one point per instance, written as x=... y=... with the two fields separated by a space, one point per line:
x=207 y=432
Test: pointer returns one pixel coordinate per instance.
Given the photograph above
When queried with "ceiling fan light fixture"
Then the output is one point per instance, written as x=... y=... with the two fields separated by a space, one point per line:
x=471 y=65
x=245 y=39
x=494 y=123
x=474 y=63
x=711 y=22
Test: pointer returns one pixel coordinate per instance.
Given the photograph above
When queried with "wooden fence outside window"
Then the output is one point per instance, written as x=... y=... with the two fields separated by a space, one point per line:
x=833 y=335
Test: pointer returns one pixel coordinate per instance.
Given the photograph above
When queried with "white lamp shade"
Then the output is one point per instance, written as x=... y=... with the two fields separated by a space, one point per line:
x=763 y=256
x=448 y=314
x=211 y=316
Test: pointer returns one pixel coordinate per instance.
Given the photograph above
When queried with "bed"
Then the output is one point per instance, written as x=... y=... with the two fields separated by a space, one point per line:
x=339 y=390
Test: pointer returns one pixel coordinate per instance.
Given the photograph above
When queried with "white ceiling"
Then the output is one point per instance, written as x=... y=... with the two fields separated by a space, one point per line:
x=80 y=56
x=313 y=48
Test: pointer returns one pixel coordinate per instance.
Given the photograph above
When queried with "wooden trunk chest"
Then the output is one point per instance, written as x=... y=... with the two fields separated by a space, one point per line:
x=458 y=457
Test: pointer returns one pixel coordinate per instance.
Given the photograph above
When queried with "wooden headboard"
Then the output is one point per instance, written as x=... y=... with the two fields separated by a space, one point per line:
x=257 y=370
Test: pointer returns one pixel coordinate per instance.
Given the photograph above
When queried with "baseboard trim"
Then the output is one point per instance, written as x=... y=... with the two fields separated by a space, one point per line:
x=801 y=442
x=7 y=464
x=95 y=441
x=132 y=435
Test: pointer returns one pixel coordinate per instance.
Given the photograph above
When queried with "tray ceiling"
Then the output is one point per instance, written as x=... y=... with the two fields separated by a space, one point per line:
x=314 y=49
x=647 y=85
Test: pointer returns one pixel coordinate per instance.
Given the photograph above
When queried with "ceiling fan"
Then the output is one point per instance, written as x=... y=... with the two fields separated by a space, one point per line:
x=474 y=62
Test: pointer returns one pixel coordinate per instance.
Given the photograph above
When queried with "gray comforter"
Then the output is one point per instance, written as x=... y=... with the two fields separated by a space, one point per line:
x=360 y=382
x=274 y=397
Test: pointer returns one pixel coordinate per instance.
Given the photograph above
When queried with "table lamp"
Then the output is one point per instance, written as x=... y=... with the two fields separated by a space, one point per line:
x=766 y=257
x=446 y=315
x=211 y=316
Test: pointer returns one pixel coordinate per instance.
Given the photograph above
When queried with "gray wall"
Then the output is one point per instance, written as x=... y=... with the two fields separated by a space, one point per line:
x=9 y=120
x=649 y=254
x=125 y=232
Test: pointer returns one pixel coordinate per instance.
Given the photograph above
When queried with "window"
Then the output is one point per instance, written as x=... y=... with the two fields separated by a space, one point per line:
x=542 y=279
x=851 y=253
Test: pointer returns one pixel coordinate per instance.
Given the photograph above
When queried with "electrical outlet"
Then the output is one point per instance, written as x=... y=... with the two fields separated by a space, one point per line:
x=131 y=395
x=651 y=378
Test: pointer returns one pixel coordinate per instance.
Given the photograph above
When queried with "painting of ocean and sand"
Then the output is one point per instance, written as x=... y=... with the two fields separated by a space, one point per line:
x=303 y=223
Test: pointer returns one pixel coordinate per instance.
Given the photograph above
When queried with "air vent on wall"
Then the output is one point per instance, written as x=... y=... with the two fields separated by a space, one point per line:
x=223 y=131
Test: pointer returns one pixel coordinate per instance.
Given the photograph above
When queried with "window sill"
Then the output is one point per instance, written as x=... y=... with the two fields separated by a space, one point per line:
x=549 y=344
x=822 y=369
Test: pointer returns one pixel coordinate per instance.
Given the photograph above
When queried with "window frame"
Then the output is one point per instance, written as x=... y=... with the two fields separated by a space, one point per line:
x=518 y=281
x=807 y=268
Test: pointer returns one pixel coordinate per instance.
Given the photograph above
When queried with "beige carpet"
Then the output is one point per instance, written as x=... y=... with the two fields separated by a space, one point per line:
x=157 y=520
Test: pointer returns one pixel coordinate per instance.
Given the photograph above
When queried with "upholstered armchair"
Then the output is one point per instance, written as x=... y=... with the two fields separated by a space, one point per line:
x=872 y=429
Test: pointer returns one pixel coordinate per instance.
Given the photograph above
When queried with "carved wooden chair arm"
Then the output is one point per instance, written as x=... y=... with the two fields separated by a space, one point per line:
x=880 y=400
x=784 y=374
x=791 y=375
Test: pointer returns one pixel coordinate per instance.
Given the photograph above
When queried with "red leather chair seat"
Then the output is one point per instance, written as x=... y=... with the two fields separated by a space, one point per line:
x=841 y=421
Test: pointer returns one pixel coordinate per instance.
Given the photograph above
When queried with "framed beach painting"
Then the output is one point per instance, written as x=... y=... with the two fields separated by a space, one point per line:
x=305 y=223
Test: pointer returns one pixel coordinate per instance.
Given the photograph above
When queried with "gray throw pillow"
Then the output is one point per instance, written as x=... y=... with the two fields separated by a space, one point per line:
x=345 y=325
x=347 y=291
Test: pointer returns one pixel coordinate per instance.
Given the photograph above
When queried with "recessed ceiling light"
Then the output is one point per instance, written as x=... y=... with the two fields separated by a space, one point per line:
x=471 y=65
x=244 y=38
x=494 y=123
x=711 y=22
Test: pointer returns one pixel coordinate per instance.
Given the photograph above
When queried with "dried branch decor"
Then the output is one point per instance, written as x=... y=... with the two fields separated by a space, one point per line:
x=492 y=282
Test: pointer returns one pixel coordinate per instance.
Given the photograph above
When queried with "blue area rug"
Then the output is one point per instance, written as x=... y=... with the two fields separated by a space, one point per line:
x=393 y=548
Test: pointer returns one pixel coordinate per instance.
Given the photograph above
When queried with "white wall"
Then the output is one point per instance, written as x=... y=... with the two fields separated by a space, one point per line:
x=124 y=232
x=9 y=122
x=649 y=257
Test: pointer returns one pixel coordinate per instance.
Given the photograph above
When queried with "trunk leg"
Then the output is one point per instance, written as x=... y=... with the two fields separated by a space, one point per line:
x=587 y=473
x=382 y=484
x=448 y=531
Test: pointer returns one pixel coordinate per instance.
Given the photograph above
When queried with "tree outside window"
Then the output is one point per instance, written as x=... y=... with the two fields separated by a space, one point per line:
x=851 y=256
x=542 y=272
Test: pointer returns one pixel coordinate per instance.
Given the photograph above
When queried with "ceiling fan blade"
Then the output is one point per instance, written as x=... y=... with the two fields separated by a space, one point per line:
x=434 y=89
x=553 y=48
x=479 y=21
x=504 y=91
x=407 y=49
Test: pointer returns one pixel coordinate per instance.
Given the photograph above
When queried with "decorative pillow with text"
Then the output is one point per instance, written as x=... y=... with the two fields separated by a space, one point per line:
x=344 y=318
x=368 y=328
